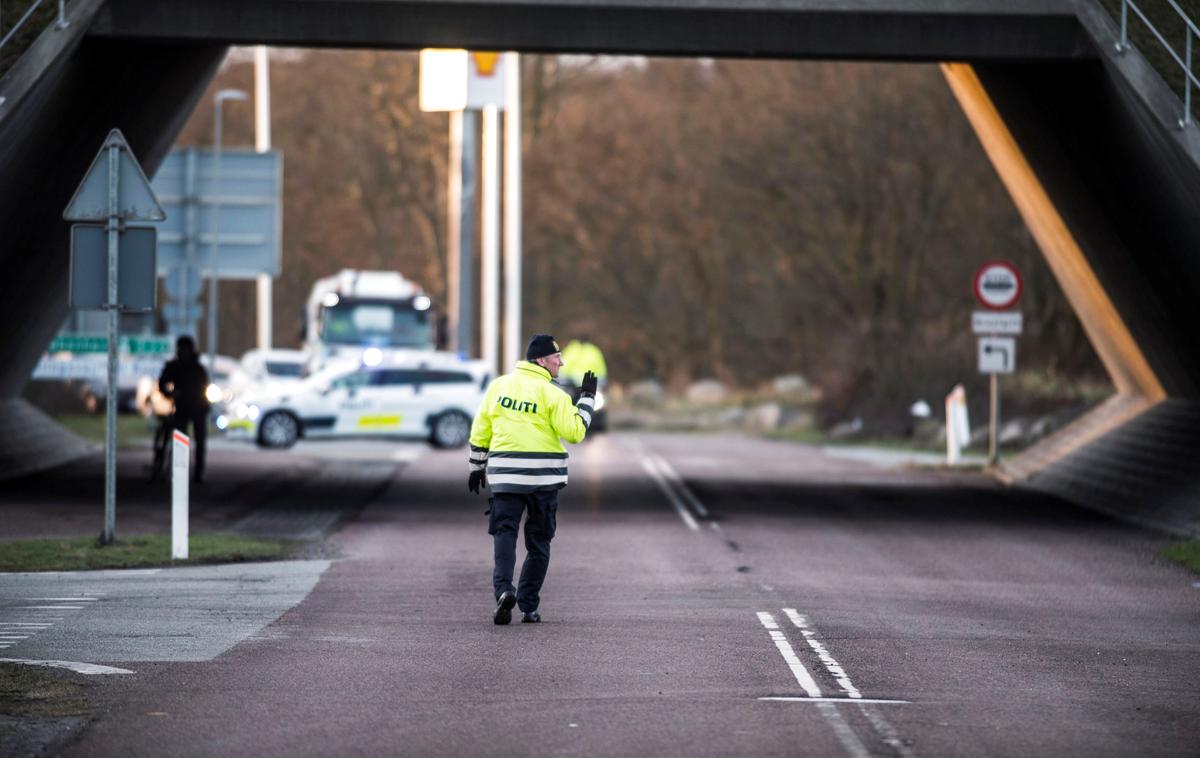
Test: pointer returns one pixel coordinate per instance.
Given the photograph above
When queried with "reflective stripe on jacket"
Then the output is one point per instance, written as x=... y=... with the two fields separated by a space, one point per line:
x=518 y=432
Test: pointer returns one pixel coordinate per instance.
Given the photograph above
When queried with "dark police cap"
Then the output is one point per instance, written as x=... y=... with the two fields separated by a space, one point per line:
x=540 y=346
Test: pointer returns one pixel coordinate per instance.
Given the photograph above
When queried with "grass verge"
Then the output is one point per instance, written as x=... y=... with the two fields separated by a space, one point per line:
x=132 y=430
x=85 y=553
x=32 y=692
x=1185 y=553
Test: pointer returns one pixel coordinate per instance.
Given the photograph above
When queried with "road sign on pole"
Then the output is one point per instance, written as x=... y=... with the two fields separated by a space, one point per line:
x=114 y=190
x=136 y=281
x=135 y=201
x=1006 y=322
x=997 y=355
x=997 y=285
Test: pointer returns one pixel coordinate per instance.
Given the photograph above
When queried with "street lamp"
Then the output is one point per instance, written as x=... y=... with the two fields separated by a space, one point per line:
x=221 y=97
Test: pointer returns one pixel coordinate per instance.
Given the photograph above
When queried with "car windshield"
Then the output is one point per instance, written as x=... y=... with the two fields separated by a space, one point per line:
x=286 y=369
x=379 y=323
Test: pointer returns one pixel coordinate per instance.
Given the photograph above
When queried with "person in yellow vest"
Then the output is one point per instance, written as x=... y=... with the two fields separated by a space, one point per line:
x=517 y=452
x=581 y=356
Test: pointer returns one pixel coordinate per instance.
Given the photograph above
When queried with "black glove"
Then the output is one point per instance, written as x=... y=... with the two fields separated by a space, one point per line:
x=476 y=480
x=588 y=386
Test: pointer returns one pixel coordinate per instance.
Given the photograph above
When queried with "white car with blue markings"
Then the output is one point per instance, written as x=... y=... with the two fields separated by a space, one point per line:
x=431 y=399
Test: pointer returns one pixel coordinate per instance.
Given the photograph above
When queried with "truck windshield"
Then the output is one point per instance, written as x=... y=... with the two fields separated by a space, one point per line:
x=378 y=323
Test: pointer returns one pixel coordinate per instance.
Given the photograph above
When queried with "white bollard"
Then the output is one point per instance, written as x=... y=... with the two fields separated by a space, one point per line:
x=958 y=426
x=180 y=463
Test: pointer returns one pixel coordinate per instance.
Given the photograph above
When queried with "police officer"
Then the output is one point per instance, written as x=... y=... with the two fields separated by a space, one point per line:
x=185 y=381
x=517 y=451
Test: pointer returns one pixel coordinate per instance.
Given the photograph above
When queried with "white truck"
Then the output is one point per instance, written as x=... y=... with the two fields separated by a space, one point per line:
x=363 y=315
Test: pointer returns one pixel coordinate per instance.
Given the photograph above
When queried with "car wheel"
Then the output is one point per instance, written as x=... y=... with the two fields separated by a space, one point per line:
x=278 y=430
x=450 y=429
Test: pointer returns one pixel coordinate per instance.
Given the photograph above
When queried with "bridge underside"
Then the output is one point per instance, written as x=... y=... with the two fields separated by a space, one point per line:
x=1113 y=171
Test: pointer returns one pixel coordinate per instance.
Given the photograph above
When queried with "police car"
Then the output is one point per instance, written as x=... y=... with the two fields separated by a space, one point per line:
x=433 y=400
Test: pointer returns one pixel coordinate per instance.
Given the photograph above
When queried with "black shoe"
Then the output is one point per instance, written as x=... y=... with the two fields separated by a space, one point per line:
x=533 y=617
x=504 y=607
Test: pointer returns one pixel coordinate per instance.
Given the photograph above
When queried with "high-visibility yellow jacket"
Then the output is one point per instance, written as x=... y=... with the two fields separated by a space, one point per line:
x=580 y=358
x=519 y=428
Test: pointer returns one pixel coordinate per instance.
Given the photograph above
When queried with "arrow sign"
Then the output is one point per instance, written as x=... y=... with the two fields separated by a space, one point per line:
x=997 y=355
x=135 y=199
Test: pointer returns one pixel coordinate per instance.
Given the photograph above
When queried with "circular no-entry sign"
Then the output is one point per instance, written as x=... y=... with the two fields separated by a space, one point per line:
x=997 y=285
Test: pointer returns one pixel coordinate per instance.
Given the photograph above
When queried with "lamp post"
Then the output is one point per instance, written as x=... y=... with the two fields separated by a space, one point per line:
x=221 y=97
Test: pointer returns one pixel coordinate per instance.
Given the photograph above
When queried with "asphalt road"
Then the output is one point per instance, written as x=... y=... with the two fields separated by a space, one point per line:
x=890 y=612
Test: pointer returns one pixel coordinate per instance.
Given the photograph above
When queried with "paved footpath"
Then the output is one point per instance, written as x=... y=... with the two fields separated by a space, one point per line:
x=707 y=596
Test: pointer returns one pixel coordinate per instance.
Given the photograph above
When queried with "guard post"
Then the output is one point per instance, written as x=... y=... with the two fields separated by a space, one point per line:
x=180 y=463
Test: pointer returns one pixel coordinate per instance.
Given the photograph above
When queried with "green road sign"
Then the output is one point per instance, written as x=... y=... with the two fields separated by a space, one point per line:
x=98 y=343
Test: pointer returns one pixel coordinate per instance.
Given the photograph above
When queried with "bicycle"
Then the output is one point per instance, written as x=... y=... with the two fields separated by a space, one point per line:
x=162 y=446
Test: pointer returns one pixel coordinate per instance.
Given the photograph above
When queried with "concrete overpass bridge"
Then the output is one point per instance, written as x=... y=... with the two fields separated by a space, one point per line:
x=1085 y=138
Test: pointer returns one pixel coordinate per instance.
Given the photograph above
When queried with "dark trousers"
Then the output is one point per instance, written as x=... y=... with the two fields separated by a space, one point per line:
x=199 y=422
x=539 y=530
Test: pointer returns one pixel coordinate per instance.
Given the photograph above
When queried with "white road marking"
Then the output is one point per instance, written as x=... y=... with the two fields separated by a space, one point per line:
x=805 y=680
x=831 y=665
x=787 y=699
x=99 y=574
x=24 y=623
x=80 y=668
x=680 y=487
x=826 y=706
x=665 y=486
x=878 y=723
x=49 y=607
x=64 y=599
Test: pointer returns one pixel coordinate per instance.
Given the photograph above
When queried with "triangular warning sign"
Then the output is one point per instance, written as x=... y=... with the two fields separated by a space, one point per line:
x=135 y=199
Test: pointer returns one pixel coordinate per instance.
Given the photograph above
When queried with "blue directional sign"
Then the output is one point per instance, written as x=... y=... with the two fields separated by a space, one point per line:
x=249 y=221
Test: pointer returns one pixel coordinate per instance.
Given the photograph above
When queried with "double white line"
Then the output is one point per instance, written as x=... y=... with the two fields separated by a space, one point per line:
x=850 y=694
x=685 y=502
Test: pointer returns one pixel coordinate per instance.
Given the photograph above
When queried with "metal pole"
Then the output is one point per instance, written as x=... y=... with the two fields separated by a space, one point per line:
x=192 y=238
x=1187 y=80
x=110 y=401
x=262 y=143
x=490 y=247
x=466 y=232
x=62 y=14
x=213 y=251
x=993 y=420
x=512 y=209
x=453 y=233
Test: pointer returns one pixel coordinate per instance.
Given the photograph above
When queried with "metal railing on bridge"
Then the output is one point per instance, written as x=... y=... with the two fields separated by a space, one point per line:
x=1185 y=60
x=31 y=18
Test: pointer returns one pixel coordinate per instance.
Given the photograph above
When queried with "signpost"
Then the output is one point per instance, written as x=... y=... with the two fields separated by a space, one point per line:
x=997 y=287
x=114 y=191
